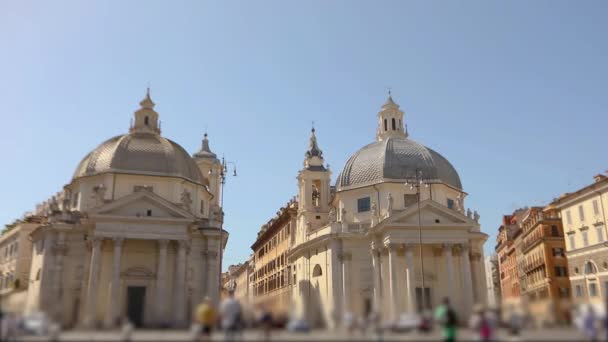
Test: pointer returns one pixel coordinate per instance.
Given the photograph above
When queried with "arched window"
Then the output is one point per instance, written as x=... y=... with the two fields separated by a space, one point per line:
x=146 y=121
x=317 y=272
x=394 y=124
x=38 y=275
x=385 y=125
x=590 y=268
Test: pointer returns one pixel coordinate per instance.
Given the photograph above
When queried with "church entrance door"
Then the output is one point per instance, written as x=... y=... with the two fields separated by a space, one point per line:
x=135 y=304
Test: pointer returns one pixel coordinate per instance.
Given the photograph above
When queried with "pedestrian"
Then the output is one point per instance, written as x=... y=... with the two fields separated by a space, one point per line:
x=589 y=324
x=266 y=323
x=515 y=322
x=479 y=322
x=349 y=322
x=231 y=316
x=446 y=316
x=205 y=317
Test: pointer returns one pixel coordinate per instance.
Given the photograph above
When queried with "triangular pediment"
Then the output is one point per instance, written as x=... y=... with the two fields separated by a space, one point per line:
x=143 y=204
x=431 y=213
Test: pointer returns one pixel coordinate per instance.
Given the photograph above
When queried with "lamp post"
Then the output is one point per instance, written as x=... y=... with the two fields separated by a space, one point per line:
x=223 y=175
x=418 y=182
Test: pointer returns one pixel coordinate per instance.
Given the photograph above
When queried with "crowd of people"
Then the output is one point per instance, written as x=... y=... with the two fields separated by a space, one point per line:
x=232 y=318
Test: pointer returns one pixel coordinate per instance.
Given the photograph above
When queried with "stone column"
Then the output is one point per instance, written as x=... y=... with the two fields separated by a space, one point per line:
x=114 y=300
x=60 y=249
x=376 y=262
x=180 y=284
x=467 y=285
x=161 y=282
x=93 y=282
x=410 y=281
x=336 y=281
x=475 y=275
x=346 y=281
x=46 y=278
x=449 y=267
x=205 y=270
x=84 y=286
x=393 y=280
x=213 y=282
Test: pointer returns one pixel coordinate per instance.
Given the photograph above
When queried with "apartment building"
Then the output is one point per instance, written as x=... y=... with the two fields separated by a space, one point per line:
x=583 y=214
x=271 y=277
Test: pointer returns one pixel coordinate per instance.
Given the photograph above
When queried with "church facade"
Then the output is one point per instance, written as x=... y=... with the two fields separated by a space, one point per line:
x=136 y=234
x=392 y=236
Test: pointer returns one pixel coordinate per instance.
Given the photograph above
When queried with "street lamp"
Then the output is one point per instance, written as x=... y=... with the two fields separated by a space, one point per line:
x=419 y=182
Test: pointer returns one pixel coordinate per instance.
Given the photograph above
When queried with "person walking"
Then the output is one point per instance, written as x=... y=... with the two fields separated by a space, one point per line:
x=266 y=322
x=480 y=323
x=205 y=316
x=446 y=316
x=231 y=316
x=590 y=324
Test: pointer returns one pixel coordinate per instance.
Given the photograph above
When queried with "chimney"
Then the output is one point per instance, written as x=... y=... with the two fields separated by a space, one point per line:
x=599 y=177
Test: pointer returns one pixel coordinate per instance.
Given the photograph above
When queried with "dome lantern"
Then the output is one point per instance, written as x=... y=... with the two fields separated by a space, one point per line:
x=146 y=118
x=390 y=120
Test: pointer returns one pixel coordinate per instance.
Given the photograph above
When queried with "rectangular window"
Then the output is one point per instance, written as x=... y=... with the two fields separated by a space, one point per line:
x=572 y=244
x=579 y=291
x=409 y=200
x=568 y=217
x=363 y=204
x=606 y=288
x=592 y=290
x=202 y=207
x=585 y=239
x=75 y=200
x=581 y=213
x=450 y=203
x=596 y=208
x=138 y=188
x=600 y=233
x=554 y=230
x=564 y=292
x=557 y=251
x=560 y=271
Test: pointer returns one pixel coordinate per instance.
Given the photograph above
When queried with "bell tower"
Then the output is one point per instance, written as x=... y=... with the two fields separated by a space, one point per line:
x=313 y=188
x=210 y=168
x=390 y=121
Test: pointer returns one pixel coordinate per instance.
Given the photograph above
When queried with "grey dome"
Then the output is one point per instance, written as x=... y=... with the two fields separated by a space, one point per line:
x=142 y=154
x=396 y=158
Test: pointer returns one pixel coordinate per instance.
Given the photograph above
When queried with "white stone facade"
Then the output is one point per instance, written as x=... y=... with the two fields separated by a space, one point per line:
x=142 y=245
x=358 y=249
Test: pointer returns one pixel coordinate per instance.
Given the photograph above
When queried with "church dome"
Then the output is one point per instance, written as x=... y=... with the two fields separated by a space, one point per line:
x=396 y=159
x=139 y=153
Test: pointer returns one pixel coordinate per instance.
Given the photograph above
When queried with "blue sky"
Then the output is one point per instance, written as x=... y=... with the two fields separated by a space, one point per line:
x=512 y=93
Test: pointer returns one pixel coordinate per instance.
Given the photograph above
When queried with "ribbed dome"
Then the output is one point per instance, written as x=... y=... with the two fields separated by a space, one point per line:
x=142 y=154
x=396 y=158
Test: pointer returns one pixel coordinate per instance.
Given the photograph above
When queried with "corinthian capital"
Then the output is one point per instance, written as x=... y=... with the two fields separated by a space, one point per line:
x=96 y=241
x=392 y=247
x=118 y=241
